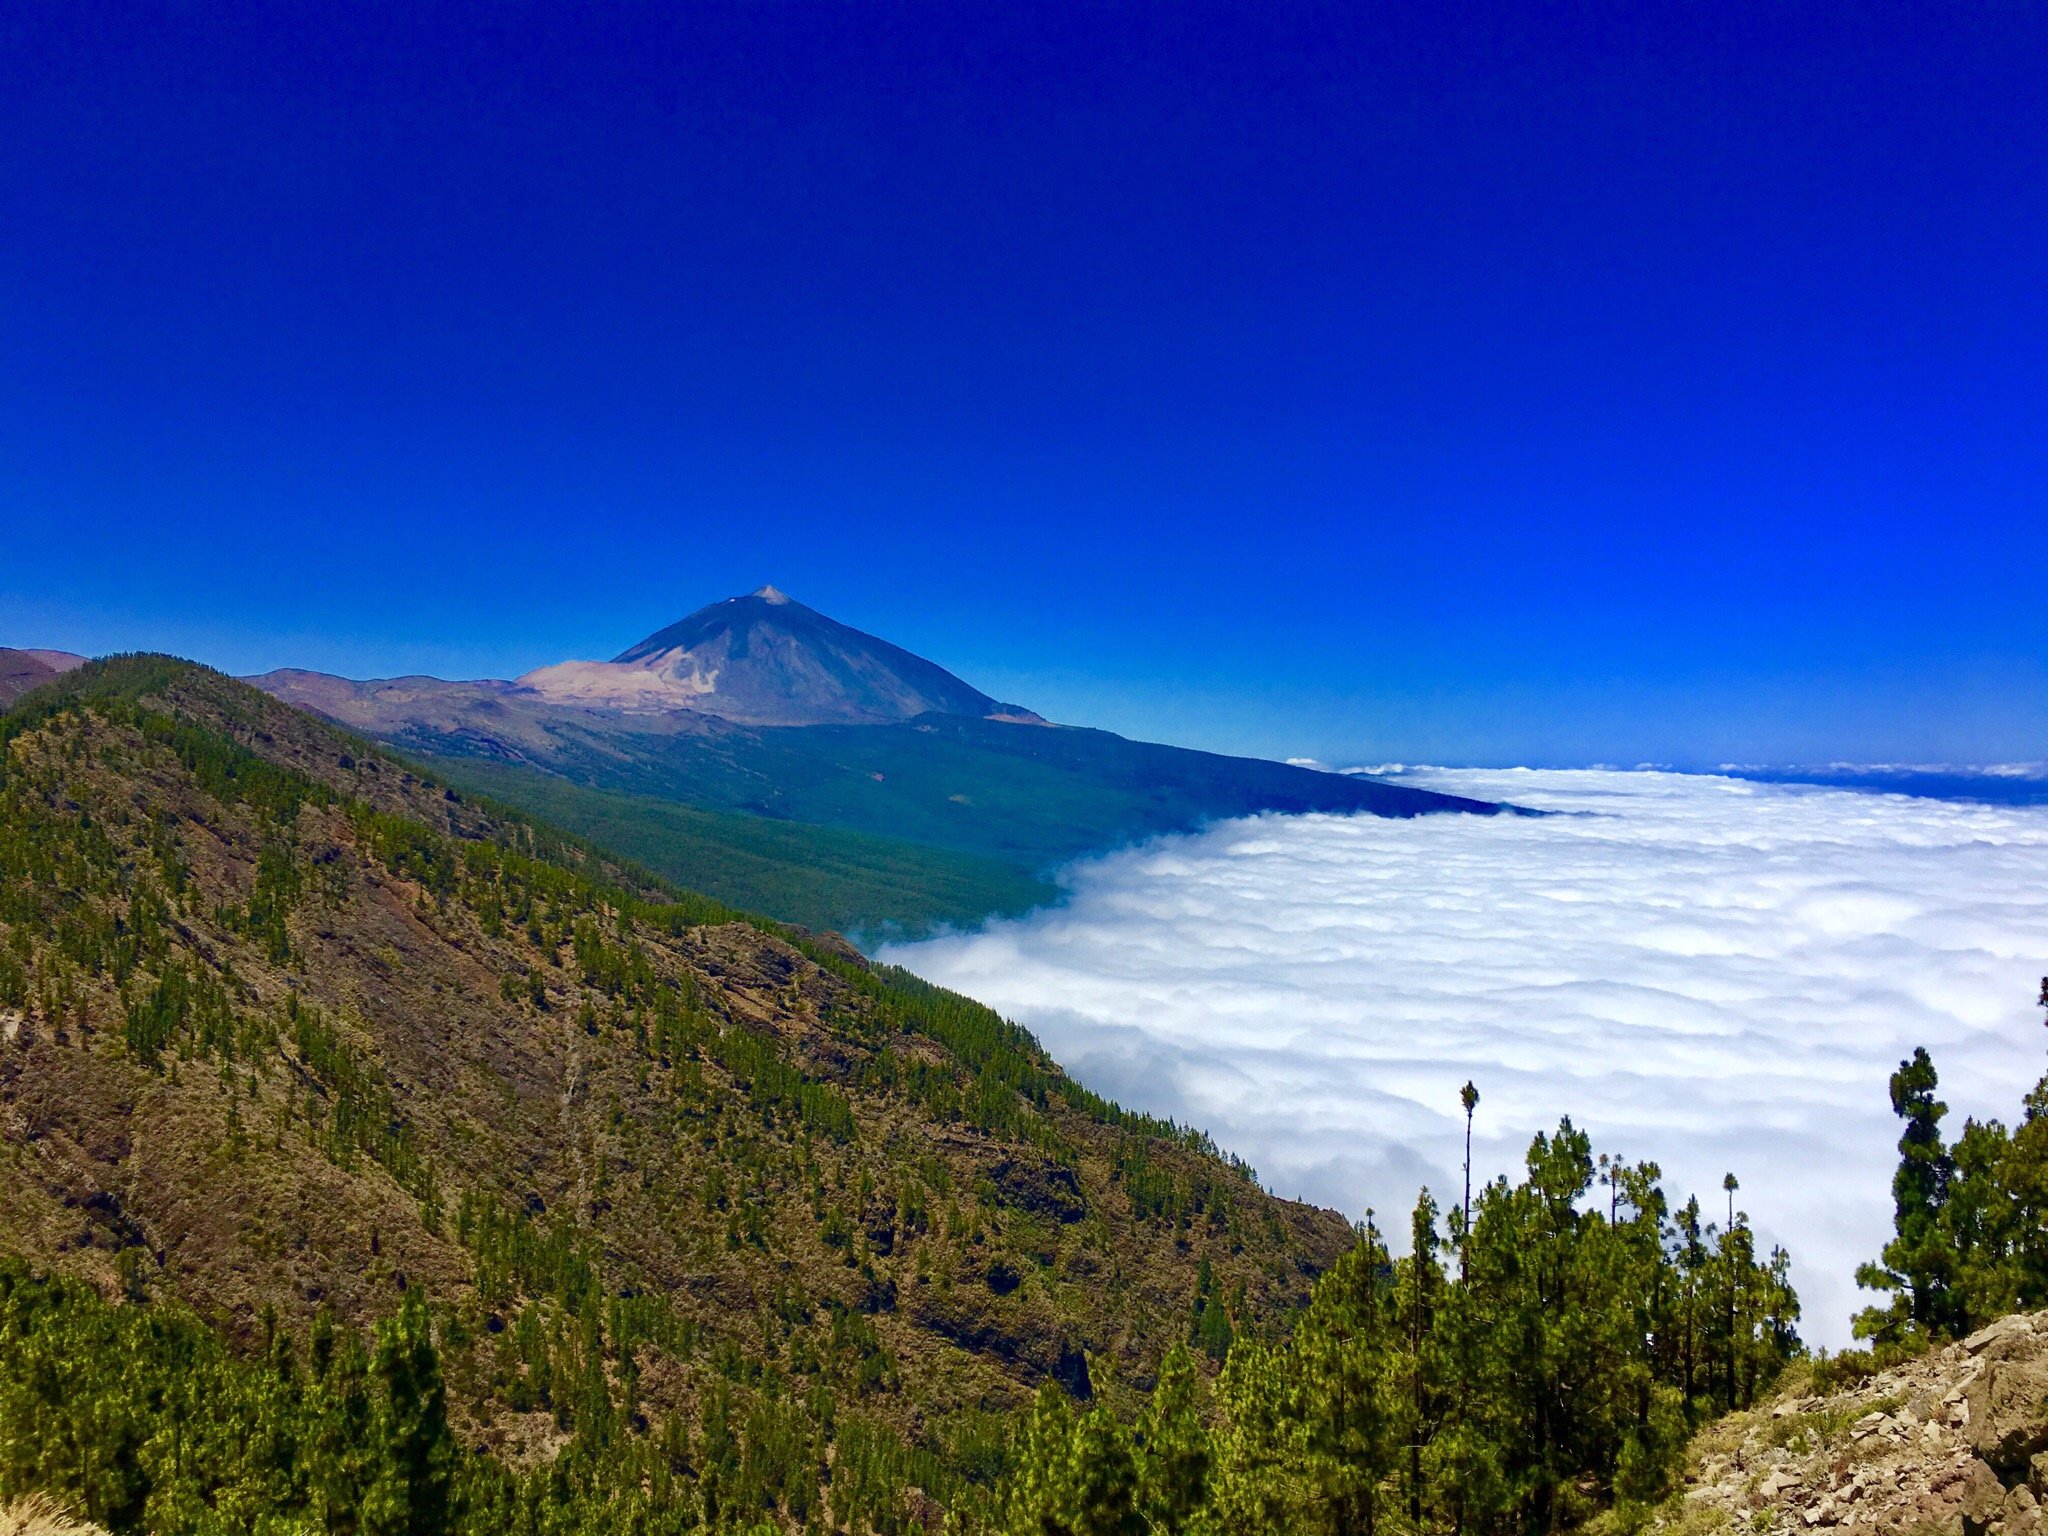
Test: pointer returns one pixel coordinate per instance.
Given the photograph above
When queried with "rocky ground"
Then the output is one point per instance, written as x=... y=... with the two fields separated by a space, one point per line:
x=1955 y=1441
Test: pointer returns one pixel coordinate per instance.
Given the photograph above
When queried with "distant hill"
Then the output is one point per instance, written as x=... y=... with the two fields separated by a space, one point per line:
x=2005 y=784
x=762 y=707
x=23 y=670
x=286 y=1026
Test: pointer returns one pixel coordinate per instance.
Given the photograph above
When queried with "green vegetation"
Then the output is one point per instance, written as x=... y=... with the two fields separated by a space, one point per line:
x=143 y=1420
x=705 y=1223
x=941 y=819
x=492 y=1184
x=1970 y=1219
x=495 y=1186
x=1514 y=1378
x=1031 y=796
x=821 y=877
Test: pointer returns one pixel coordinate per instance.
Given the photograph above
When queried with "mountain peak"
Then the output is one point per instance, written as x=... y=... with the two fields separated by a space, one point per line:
x=766 y=659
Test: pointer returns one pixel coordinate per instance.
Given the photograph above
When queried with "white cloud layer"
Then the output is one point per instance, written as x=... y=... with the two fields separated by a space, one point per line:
x=1709 y=973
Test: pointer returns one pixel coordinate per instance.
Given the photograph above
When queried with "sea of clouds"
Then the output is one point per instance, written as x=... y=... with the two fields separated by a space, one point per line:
x=1713 y=974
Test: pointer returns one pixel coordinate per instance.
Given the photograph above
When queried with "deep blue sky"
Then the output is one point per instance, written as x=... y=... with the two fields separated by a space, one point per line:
x=1512 y=383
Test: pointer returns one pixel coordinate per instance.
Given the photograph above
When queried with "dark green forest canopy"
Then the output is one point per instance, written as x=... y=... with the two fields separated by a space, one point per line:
x=822 y=878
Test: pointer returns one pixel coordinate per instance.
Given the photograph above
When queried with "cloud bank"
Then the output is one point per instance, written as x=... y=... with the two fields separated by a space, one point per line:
x=1713 y=974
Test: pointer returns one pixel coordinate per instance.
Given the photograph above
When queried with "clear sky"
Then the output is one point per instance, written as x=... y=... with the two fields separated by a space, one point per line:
x=1541 y=383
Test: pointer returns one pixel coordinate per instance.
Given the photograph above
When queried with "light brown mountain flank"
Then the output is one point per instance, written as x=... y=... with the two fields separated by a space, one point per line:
x=22 y=670
x=285 y=1026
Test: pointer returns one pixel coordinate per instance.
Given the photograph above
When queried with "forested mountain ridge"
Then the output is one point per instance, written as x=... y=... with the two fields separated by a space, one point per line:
x=1533 y=1366
x=288 y=1030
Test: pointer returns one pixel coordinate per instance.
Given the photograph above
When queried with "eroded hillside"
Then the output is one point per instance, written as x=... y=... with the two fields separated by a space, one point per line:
x=285 y=1026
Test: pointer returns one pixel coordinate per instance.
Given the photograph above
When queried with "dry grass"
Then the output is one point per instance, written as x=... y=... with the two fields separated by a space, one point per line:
x=40 y=1515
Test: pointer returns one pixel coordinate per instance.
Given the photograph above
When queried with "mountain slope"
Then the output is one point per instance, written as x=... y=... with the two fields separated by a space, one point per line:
x=22 y=670
x=965 y=777
x=1031 y=796
x=969 y=793
x=823 y=878
x=285 y=1026
x=764 y=659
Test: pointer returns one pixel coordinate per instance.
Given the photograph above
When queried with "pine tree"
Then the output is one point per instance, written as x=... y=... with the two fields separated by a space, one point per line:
x=1341 y=1347
x=1919 y=1264
x=1261 y=1452
x=1211 y=1326
x=343 y=1463
x=1469 y=1097
x=410 y=1494
x=1173 y=1452
x=1729 y=1271
x=1104 y=1480
x=1421 y=1293
x=1076 y=1475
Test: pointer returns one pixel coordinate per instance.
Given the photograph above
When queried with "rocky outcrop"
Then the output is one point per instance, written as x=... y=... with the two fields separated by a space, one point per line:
x=1041 y=1186
x=1954 y=1442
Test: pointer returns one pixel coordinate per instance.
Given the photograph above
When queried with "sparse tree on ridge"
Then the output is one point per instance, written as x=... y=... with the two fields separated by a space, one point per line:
x=1919 y=1263
x=1469 y=1097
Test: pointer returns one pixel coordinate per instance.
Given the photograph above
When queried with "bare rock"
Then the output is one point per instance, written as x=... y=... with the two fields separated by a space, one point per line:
x=1952 y=1443
x=1983 y=1498
x=2008 y=1413
x=2009 y=1335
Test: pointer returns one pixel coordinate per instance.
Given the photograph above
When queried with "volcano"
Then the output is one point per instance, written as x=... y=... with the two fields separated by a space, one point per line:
x=766 y=659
